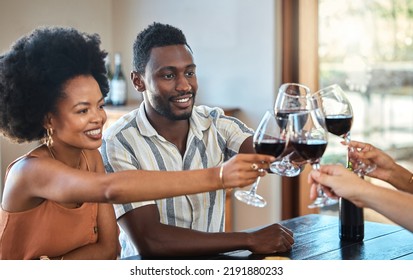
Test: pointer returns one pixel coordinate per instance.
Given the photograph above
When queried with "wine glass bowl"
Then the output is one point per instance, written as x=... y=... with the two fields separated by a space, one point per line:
x=339 y=125
x=270 y=146
x=269 y=138
x=339 y=118
x=291 y=98
x=308 y=135
x=337 y=109
x=310 y=149
x=309 y=138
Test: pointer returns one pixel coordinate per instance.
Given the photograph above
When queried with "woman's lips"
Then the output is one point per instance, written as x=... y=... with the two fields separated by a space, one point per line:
x=95 y=133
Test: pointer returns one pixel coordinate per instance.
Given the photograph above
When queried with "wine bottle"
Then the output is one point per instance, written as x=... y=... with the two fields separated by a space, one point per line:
x=109 y=75
x=351 y=219
x=118 y=84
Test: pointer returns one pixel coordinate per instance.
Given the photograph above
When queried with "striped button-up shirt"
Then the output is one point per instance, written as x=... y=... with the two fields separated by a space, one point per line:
x=132 y=143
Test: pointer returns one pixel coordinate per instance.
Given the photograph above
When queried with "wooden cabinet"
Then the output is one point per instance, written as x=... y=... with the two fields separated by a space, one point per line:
x=115 y=112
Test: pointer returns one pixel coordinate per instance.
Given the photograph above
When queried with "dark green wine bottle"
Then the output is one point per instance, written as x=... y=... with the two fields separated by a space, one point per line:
x=118 y=89
x=351 y=219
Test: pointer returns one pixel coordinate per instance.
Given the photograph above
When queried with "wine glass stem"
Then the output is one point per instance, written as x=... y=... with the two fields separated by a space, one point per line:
x=320 y=192
x=347 y=139
x=286 y=158
x=254 y=187
x=315 y=165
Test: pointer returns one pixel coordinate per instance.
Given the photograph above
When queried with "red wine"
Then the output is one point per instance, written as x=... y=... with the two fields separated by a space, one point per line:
x=339 y=124
x=292 y=154
x=282 y=116
x=270 y=147
x=310 y=149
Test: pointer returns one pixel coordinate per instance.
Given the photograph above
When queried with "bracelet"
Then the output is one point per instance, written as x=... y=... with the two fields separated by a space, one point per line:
x=221 y=176
x=411 y=179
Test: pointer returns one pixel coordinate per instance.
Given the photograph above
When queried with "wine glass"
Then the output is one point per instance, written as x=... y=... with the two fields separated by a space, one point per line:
x=309 y=138
x=339 y=117
x=361 y=168
x=337 y=110
x=269 y=138
x=291 y=98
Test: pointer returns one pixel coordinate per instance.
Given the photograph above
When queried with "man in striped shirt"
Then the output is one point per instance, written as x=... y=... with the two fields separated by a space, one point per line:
x=167 y=132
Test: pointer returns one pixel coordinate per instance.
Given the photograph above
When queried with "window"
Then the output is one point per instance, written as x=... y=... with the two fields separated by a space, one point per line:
x=367 y=48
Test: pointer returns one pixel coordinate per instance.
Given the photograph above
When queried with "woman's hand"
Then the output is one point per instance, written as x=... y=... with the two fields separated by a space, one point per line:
x=337 y=181
x=369 y=154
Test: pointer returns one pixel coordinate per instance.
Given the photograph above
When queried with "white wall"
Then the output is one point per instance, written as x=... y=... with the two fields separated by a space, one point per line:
x=234 y=42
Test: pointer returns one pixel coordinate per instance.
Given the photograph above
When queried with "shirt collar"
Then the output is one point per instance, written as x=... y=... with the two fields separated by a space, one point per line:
x=198 y=122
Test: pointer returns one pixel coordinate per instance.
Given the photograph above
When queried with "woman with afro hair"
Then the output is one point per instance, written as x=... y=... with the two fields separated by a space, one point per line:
x=57 y=198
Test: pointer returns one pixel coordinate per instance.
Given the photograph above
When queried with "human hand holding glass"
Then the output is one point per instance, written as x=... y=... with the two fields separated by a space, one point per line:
x=339 y=118
x=309 y=137
x=269 y=138
x=375 y=159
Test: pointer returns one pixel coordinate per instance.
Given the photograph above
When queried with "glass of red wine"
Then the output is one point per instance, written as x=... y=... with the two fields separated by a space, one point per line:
x=309 y=137
x=269 y=138
x=291 y=98
x=337 y=109
x=339 y=118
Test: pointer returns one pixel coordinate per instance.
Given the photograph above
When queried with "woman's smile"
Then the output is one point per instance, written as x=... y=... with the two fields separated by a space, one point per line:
x=95 y=133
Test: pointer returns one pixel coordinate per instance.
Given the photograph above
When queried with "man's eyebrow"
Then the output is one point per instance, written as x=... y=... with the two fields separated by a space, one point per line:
x=192 y=65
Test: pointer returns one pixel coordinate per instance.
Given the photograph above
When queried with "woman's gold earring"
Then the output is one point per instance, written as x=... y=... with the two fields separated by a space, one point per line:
x=48 y=138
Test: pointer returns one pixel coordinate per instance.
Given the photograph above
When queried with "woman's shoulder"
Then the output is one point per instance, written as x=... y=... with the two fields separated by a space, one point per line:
x=22 y=176
x=28 y=166
x=24 y=160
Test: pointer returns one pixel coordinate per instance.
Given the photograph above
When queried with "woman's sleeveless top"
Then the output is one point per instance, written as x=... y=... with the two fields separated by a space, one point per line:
x=48 y=229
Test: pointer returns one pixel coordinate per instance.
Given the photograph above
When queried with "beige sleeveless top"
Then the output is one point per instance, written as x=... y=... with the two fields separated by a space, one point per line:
x=48 y=229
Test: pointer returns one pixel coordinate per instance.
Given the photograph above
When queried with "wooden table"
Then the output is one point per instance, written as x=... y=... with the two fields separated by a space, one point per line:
x=316 y=238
